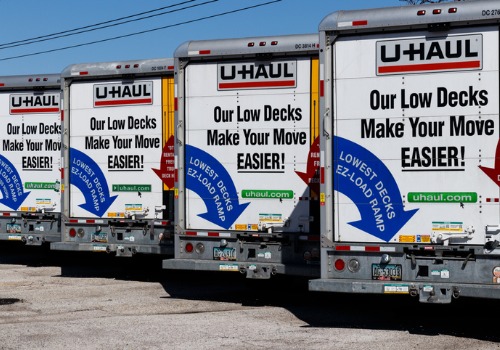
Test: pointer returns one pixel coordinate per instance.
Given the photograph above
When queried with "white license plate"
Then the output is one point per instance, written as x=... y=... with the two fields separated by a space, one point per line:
x=387 y=272
x=226 y=254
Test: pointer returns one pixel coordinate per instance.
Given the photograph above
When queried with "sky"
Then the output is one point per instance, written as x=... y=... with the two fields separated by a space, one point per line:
x=28 y=44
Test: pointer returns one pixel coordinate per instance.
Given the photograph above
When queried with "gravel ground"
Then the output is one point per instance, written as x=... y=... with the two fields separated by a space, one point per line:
x=61 y=300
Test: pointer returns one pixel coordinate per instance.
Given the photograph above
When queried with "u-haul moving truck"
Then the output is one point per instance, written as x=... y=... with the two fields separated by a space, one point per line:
x=118 y=137
x=247 y=156
x=30 y=158
x=410 y=151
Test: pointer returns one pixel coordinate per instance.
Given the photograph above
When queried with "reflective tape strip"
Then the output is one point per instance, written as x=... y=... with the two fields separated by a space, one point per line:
x=360 y=248
x=314 y=238
x=200 y=52
x=208 y=234
x=85 y=221
x=352 y=23
x=162 y=223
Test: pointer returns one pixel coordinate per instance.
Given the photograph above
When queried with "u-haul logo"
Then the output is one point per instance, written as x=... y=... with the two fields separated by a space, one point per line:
x=464 y=52
x=119 y=94
x=34 y=103
x=251 y=75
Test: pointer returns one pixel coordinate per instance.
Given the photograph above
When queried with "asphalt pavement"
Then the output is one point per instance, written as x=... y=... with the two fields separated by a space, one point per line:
x=79 y=300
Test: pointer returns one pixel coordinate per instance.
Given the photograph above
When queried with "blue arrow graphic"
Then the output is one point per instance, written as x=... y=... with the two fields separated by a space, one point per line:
x=11 y=185
x=365 y=179
x=88 y=177
x=208 y=178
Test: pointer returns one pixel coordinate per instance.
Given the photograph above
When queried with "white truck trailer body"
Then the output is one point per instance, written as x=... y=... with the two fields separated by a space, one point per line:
x=30 y=158
x=118 y=157
x=247 y=156
x=410 y=193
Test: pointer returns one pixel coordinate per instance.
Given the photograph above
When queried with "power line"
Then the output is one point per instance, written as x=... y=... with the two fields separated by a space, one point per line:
x=141 y=32
x=101 y=25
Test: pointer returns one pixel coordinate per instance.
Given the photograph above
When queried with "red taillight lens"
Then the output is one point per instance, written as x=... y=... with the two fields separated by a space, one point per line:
x=189 y=247
x=339 y=265
x=72 y=232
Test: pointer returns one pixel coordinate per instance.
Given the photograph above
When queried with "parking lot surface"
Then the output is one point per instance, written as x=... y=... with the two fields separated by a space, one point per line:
x=56 y=300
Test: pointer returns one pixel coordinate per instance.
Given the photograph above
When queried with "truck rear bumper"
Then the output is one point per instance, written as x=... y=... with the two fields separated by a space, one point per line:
x=118 y=249
x=31 y=239
x=427 y=292
x=254 y=270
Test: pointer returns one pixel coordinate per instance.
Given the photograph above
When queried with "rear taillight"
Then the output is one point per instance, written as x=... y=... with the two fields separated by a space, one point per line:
x=72 y=232
x=339 y=265
x=189 y=247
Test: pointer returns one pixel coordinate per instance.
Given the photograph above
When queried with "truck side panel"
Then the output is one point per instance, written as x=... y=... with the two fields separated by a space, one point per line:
x=412 y=148
x=30 y=161
x=410 y=193
x=248 y=156
x=246 y=150
x=117 y=144
x=119 y=161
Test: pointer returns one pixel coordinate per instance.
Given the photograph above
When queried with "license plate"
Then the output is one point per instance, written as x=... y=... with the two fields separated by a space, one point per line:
x=387 y=272
x=13 y=228
x=99 y=237
x=226 y=254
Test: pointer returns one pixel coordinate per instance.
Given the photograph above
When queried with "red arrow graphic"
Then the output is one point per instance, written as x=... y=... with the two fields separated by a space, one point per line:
x=166 y=171
x=311 y=177
x=494 y=173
